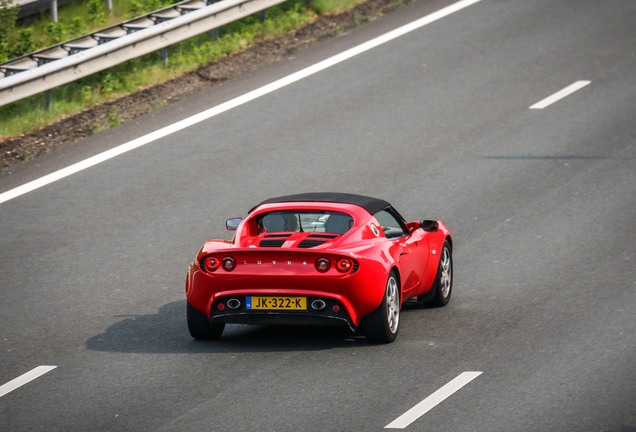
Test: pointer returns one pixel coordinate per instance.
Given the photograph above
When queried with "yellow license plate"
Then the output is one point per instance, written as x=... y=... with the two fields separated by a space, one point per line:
x=276 y=303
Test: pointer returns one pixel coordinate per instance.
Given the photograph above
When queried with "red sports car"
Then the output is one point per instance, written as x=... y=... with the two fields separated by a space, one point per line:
x=325 y=258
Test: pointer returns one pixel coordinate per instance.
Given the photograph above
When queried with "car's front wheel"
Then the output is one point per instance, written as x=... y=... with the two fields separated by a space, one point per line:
x=200 y=327
x=382 y=324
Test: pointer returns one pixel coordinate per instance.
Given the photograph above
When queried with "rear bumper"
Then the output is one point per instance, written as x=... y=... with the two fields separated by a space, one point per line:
x=333 y=312
x=356 y=294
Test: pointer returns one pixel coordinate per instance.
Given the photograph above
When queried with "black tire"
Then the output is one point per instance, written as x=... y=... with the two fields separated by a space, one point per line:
x=443 y=284
x=200 y=327
x=382 y=324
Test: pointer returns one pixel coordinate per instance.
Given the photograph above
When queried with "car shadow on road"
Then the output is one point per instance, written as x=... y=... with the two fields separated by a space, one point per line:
x=167 y=333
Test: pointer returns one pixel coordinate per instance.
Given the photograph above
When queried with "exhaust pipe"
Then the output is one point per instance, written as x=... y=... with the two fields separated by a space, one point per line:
x=234 y=303
x=318 y=305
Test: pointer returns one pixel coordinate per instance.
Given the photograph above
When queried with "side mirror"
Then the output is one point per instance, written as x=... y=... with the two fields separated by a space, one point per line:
x=429 y=225
x=233 y=224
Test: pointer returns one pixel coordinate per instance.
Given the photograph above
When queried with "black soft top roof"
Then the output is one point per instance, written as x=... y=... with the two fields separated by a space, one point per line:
x=372 y=205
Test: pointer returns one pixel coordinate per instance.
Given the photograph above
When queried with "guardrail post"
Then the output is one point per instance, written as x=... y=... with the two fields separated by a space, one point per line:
x=164 y=56
x=54 y=10
x=48 y=99
x=109 y=4
x=215 y=33
x=263 y=15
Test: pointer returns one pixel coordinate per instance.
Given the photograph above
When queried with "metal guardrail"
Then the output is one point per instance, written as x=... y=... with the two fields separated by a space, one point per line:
x=54 y=66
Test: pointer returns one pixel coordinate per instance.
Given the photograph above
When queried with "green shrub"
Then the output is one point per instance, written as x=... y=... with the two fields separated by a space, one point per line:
x=87 y=94
x=14 y=42
x=96 y=12
x=56 y=31
x=77 y=28
x=109 y=84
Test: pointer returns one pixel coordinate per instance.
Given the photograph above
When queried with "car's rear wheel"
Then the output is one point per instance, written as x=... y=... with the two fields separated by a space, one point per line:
x=200 y=327
x=443 y=285
x=382 y=324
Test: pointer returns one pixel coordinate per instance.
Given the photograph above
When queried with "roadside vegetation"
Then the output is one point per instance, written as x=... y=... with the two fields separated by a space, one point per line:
x=78 y=18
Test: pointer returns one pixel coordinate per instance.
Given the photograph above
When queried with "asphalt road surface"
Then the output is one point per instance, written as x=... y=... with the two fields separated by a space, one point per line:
x=541 y=202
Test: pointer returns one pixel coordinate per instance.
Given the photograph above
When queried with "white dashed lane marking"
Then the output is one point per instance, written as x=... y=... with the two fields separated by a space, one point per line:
x=24 y=379
x=560 y=94
x=432 y=401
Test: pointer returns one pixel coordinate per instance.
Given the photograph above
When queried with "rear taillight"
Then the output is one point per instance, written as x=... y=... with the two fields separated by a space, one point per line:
x=323 y=265
x=229 y=263
x=343 y=265
x=211 y=263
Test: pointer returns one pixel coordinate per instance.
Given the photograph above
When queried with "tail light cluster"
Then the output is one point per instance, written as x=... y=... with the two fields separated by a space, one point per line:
x=212 y=264
x=323 y=265
x=343 y=265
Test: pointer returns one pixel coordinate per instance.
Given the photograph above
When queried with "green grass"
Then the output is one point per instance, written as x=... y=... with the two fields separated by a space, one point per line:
x=29 y=114
x=322 y=7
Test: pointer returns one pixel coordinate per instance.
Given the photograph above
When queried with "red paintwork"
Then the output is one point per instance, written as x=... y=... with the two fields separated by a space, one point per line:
x=288 y=270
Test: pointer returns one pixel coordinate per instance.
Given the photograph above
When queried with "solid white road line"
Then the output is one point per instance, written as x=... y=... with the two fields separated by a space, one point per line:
x=204 y=115
x=432 y=401
x=25 y=379
x=560 y=94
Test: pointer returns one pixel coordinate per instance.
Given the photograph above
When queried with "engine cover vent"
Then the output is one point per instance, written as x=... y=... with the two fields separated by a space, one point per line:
x=307 y=243
x=272 y=242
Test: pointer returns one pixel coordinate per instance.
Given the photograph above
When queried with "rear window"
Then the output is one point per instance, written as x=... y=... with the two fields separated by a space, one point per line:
x=304 y=221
